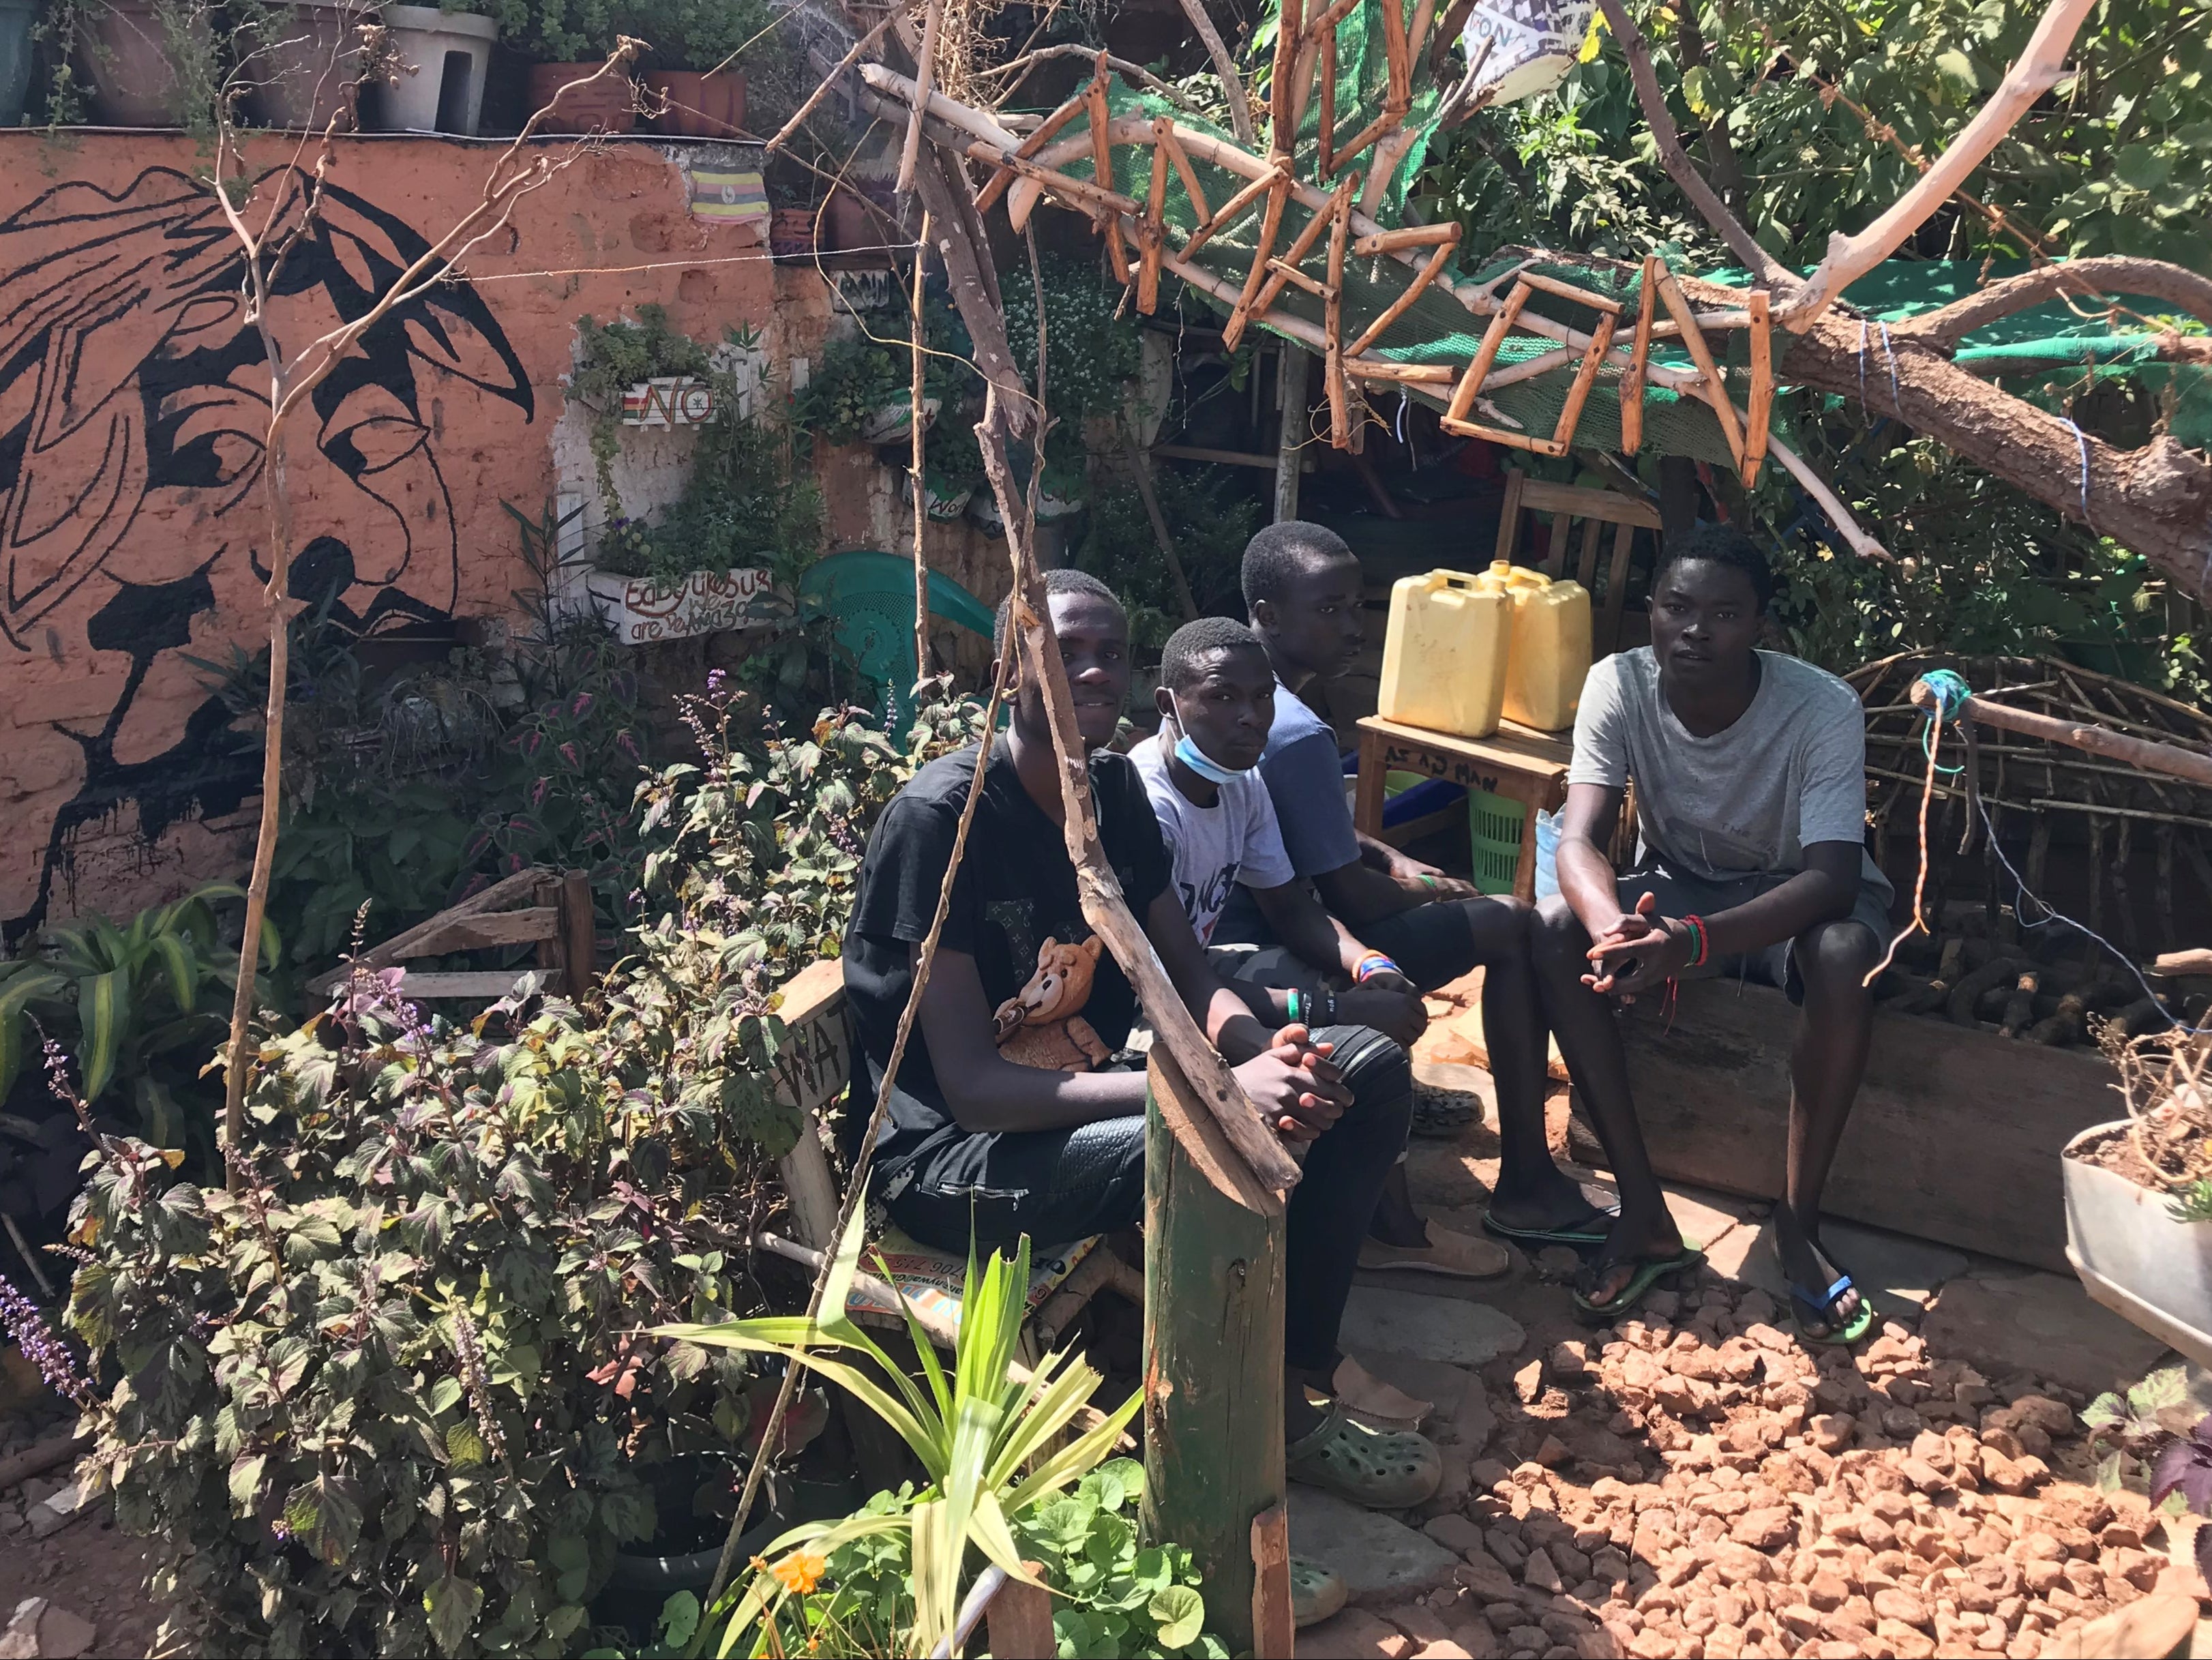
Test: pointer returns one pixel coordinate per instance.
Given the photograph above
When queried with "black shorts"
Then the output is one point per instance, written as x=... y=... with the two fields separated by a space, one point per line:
x=1679 y=895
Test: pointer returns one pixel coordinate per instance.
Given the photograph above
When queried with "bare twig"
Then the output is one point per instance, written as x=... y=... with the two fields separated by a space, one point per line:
x=292 y=378
x=925 y=70
x=1122 y=66
x=921 y=489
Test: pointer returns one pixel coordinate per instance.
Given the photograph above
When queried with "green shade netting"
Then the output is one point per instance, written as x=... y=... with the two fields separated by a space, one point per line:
x=2024 y=348
x=2054 y=347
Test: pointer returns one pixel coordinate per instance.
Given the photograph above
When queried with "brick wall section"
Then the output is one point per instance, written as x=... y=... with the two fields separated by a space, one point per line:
x=132 y=404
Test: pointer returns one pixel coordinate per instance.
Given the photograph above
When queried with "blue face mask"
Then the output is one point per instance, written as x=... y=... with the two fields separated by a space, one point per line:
x=1199 y=762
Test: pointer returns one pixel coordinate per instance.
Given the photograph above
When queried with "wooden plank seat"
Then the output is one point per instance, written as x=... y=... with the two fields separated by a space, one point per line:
x=814 y=1068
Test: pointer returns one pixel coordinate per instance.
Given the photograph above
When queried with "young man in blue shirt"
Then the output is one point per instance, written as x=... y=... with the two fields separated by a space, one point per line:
x=1305 y=593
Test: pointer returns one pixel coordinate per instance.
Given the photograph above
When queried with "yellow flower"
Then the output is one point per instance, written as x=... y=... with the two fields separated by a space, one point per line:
x=801 y=1571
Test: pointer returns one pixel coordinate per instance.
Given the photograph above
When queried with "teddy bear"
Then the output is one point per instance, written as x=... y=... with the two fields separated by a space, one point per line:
x=1043 y=1027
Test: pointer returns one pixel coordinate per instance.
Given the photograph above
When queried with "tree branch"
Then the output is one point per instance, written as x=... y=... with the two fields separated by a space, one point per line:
x=1232 y=85
x=1653 y=99
x=2038 y=68
x=2090 y=279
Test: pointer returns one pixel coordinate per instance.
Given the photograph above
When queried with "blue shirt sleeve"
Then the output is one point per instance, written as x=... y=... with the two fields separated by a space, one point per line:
x=1305 y=780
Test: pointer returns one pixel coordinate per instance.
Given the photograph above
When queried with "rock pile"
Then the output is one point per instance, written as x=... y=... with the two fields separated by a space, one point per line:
x=1695 y=1482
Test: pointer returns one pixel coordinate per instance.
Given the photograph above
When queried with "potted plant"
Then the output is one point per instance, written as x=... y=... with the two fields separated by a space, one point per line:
x=143 y=61
x=302 y=60
x=567 y=43
x=17 y=18
x=699 y=93
x=435 y=80
x=860 y=392
x=2139 y=1192
x=952 y=468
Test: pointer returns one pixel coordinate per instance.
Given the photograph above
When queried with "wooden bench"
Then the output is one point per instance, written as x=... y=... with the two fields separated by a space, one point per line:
x=813 y=1069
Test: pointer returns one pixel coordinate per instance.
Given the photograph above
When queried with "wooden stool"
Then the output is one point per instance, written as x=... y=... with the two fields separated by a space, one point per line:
x=1514 y=761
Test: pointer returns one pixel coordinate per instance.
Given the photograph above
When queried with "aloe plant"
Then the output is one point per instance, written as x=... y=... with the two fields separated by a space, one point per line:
x=975 y=1430
x=120 y=997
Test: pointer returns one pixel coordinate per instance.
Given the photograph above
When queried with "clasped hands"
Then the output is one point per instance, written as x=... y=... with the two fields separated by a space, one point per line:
x=1639 y=952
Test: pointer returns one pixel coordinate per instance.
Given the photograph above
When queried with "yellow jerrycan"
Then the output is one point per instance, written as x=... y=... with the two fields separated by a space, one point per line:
x=1444 y=659
x=1549 y=657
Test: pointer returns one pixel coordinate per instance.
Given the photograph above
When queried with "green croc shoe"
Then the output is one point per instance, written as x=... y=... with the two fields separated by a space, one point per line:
x=1382 y=1470
x=1315 y=1593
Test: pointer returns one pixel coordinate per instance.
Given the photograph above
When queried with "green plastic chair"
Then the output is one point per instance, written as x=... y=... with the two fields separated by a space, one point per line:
x=871 y=595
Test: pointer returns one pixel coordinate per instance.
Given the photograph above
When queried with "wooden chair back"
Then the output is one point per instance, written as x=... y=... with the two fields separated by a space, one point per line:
x=1568 y=505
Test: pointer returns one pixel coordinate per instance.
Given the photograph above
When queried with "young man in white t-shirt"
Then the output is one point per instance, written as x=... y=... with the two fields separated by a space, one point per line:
x=1217 y=705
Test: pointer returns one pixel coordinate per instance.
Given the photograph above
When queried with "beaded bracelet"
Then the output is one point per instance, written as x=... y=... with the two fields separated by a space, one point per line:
x=1373 y=963
x=1696 y=927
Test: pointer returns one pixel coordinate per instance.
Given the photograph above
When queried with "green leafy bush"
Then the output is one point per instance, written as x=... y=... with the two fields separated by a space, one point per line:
x=700 y=35
x=1090 y=355
x=138 y=1007
x=1211 y=521
x=384 y=1398
x=559 y=30
x=855 y=381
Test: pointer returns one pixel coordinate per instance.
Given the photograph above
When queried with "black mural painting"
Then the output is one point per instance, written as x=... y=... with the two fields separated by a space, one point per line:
x=133 y=412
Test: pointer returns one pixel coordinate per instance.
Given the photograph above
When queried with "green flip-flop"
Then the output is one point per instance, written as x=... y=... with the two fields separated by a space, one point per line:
x=1587 y=1237
x=1316 y=1592
x=1649 y=1271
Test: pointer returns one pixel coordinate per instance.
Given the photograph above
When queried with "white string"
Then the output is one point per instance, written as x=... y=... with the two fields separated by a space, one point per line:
x=1896 y=398
x=2084 y=443
x=1862 y=346
x=1404 y=404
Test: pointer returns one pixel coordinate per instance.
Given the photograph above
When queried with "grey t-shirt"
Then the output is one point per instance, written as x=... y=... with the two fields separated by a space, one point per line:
x=1790 y=772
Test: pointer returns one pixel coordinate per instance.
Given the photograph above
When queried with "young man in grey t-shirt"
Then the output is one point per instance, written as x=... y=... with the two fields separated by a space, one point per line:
x=1750 y=775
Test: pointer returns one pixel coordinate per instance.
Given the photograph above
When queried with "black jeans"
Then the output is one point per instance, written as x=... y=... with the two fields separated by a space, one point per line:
x=1059 y=1186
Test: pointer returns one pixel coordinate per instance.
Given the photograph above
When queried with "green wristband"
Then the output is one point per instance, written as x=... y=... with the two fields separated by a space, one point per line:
x=1428 y=881
x=1292 y=1001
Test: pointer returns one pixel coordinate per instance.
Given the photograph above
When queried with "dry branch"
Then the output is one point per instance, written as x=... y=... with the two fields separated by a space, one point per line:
x=2039 y=67
x=2089 y=279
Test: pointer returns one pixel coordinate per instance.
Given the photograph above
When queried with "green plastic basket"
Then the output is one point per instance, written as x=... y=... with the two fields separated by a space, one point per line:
x=1495 y=826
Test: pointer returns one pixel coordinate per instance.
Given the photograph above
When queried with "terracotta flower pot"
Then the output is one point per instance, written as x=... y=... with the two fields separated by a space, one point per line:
x=308 y=68
x=790 y=232
x=131 y=66
x=699 y=106
x=847 y=228
x=608 y=105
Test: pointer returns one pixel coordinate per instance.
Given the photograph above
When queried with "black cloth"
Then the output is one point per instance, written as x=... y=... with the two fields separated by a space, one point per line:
x=1015 y=891
x=1059 y=1186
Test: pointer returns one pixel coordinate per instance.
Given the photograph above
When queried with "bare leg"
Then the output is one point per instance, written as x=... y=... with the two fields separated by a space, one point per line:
x=1825 y=1069
x=1589 y=1043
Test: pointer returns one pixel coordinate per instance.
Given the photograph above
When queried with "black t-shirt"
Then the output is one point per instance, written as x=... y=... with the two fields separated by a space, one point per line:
x=1015 y=891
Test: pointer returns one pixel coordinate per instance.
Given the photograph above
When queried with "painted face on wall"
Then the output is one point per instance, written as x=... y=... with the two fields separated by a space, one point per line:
x=134 y=409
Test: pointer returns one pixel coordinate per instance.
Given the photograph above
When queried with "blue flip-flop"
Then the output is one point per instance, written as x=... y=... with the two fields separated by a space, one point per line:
x=1821 y=1307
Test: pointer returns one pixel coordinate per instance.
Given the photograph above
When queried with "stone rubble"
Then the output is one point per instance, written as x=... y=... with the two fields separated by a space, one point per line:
x=1696 y=1484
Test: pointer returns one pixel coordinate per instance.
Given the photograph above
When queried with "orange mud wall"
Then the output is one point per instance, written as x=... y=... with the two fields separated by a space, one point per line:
x=133 y=407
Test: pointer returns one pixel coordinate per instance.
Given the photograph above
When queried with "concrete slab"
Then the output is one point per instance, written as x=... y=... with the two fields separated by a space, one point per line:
x=2042 y=1324
x=1379 y=1560
x=1900 y=1274
x=1458 y=1332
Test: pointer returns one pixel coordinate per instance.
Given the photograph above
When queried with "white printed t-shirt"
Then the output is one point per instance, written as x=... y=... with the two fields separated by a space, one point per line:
x=1211 y=849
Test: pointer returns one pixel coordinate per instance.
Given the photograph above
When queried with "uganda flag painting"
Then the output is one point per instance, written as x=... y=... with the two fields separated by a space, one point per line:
x=727 y=196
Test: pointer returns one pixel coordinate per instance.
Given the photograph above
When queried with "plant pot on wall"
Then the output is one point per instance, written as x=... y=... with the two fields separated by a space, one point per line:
x=608 y=105
x=791 y=233
x=848 y=226
x=438 y=83
x=16 y=17
x=2131 y=1254
x=131 y=63
x=896 y=420
x=309 y=66
x=696 y=105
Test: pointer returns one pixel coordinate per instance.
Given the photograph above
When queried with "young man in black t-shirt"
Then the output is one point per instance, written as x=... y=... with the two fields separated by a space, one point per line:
x=977 y=1141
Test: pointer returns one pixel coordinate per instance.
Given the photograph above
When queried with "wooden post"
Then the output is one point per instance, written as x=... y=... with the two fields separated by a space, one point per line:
x=1213 y=1367
x=1290 y=395
x=579 y=942
x=1020 y=1621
